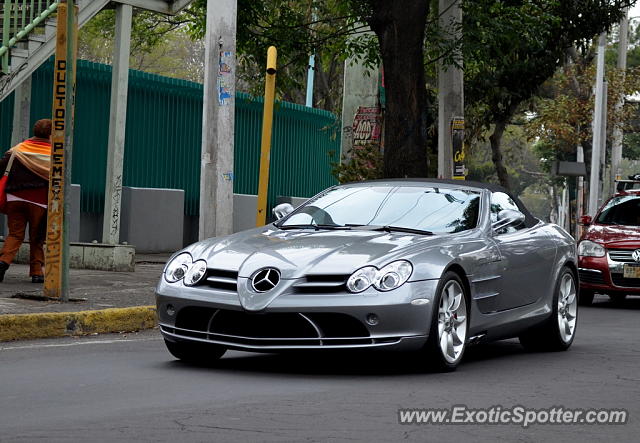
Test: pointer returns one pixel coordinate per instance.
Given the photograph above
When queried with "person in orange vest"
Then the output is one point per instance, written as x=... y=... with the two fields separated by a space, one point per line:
x=27 y=194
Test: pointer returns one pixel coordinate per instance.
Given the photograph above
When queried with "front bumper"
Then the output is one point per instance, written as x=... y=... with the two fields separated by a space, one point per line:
x=371 y=319
x=601 y=274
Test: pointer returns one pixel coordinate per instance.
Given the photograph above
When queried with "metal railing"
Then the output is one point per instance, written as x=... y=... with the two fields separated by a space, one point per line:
x=18 y=19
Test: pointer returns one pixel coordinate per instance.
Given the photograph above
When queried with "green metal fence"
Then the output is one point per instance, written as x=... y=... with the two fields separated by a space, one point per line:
x=164 y=126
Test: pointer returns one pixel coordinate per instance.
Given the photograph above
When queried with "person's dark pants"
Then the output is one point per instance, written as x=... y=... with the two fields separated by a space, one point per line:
x=19 y=214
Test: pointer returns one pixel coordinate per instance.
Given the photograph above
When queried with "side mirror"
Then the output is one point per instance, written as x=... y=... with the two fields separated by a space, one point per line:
x=585 y=220
x=282 y=210
x=508 y=217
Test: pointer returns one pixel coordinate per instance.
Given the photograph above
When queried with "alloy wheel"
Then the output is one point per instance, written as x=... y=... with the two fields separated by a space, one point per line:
x=567 y=308
x=452 y=321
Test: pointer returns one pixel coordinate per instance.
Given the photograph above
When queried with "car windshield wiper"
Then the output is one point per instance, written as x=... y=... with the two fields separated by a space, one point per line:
x=388 y=228
x=316 y=227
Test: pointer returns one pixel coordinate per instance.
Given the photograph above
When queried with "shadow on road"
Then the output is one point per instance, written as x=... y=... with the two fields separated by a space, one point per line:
x=362 y=363
x=629 y=303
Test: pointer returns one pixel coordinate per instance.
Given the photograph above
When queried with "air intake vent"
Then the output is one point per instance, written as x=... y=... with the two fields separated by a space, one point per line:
x=221 y=279
x=621 y=255
x=321 y=284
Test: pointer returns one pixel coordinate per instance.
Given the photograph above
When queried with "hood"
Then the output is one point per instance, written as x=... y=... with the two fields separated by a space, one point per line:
x=299 y=252
x=614 y=236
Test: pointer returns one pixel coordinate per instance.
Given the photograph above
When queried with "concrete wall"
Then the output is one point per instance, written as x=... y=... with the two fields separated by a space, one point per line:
x=244 y=215
x=152 y=219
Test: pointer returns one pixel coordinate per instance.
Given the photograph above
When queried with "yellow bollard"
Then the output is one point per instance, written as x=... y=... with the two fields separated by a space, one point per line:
x=267 y=125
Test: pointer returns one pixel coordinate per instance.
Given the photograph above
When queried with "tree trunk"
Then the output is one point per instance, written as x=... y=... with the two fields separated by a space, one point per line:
x=400 y=27
x=496 y=154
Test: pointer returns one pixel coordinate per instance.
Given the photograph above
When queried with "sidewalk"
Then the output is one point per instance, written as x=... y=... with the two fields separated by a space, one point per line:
x=101 y=302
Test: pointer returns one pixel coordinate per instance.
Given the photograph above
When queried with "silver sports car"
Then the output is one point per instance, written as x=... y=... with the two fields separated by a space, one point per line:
x=425 y=265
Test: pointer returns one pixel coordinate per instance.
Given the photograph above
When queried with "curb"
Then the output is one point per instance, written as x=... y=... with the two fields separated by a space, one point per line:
x=59 y=324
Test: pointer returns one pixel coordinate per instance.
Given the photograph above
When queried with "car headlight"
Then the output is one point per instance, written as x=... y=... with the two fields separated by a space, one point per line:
x=393 y=275
x=587 y=248
x=389 y=277
x=177 y=268
x=362 y=279
x=197 y=271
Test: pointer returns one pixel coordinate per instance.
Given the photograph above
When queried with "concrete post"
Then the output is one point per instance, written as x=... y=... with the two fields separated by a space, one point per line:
x=117 y=125
x=360 y=88
x=617 y=138
x=218 y=121
x=450 y=89
x=21 y=112
x=604 y=187
x=580 y=195
x=594 y=181
x=310 y=76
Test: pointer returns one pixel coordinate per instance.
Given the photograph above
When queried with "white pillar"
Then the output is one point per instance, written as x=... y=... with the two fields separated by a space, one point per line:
x=218 y=120
x=594 y=181
x=117 y=125
x=360 y=88
x=310 y=76
x=450 y=89
x=617 y=138
x=21 y=112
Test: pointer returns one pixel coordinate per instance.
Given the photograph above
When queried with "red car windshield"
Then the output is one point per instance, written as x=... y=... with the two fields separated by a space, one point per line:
x=621 y=210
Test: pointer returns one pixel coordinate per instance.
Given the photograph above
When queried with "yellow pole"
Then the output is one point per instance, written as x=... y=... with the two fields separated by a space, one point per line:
x=267 y=124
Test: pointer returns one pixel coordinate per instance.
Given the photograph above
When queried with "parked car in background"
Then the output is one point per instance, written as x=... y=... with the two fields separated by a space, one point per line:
x=609 y=248
x=424 y=265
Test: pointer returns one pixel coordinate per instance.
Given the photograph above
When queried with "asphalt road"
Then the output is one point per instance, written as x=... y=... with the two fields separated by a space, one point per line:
x=121 y=388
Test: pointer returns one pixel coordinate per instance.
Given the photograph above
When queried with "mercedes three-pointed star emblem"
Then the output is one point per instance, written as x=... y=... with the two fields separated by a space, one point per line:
x=265 y=279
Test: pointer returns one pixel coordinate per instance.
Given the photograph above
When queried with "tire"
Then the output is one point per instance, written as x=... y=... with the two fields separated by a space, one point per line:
x=196 y=353
x=558 y=331
x=586 y=297
x=617 y=298
x=449 y=325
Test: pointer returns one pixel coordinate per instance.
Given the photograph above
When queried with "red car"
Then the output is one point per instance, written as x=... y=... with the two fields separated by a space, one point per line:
x=609 y=249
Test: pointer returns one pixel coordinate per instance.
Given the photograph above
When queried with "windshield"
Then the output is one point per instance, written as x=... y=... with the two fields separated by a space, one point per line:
x=417 y=207
x=621 y=210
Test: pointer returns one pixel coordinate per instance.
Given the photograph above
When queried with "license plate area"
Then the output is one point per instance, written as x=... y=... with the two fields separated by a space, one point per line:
x=631 y=271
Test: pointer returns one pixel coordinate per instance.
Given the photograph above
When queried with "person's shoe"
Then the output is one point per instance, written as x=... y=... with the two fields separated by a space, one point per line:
x=37 y=279
x=3 y=268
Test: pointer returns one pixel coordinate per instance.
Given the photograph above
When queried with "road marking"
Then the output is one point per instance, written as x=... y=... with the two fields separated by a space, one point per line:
x=87 y=342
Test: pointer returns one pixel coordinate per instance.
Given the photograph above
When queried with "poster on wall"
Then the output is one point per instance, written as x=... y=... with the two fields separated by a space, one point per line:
x=367 y=126
x=457 y=140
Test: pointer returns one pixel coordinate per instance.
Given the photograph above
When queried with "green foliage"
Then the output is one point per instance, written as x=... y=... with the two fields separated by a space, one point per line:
x=522 y=162
x=631 y=146
x=361 y=163
x=512 y=47
x=159 y=44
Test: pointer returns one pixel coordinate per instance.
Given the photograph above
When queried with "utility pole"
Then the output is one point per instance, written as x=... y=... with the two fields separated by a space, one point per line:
x=616 y=149
x=603 y=145
x=450 y=90
x=594 y=182
x=218 y=121
x=117 y=126
x=580 y=194
x=64 y=79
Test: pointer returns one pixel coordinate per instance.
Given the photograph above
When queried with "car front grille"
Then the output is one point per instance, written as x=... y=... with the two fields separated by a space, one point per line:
x=321 y=284
x=621 y=255
x=619 y=280
x=592 y=276
x=221 y=280
x=285 y=329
